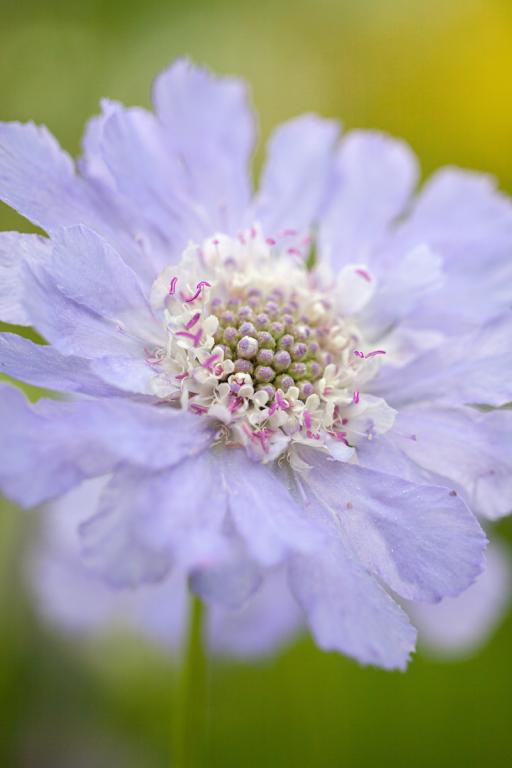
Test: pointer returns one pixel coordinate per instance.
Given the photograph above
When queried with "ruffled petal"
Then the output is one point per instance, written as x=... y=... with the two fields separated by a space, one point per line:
x=54 y=446
x=265 y=515
x=347 y=610
x=461 y=625
x=266 y=621
x=148 y=521
x=126 y=151
x=87 y=301
x=374 y=179
x=295 y=178
x=39 y=180
x=420 y=539
x=209 y=127
x=43 y=366
x=15 y=249
x=470 y=449
x=473 y=369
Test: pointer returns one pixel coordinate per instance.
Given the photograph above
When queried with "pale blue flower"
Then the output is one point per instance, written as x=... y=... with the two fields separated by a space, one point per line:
x=249 y=415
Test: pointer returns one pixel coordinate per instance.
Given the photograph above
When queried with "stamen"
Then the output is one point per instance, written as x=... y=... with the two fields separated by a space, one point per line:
x=172 y=286
x=202 y=284
x=193 y=320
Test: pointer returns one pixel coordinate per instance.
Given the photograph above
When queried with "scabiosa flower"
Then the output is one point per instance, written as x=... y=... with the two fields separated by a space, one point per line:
x=277 y=384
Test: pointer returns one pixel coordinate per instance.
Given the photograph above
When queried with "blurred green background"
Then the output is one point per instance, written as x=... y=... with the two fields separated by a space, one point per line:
x=439 y=74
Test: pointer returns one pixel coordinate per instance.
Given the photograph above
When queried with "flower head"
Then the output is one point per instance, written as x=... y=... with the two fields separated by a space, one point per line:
x=282 y=383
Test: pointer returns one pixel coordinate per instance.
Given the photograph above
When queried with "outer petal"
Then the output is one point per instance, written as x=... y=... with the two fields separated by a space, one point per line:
x=375 y=176
x=14 y=250
x=295 y=179
x=127 y=151
x=420 y=539
x=54 y=446
x=38 y=179
x=86 y=301
x=472 y=369
x=265 y=622
x=347 y=610
x=461 y=625
x=266 y=516
x=43 y=366
x=147 y=521
x=471 y=449
x=209 y=127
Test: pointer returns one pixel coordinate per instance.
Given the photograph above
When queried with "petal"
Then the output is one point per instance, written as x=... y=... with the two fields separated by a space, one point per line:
x=401 y=287
x=347 y=610
x=296 y=175
x=101 y=307
x=374 y=178
x=43 y=366
x=470 y=449
x=471 y=369
x=148 y=521
x=266 y=621
x=458 y=207
x=54 y=446
x=420 y=539
x=38 y=179
x=127 y=150
x=463 y=624
x=14 y=250
x=216 y=160
x=266 y=516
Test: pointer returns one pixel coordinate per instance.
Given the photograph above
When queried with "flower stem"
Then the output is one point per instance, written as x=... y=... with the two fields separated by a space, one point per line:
x=189 y=706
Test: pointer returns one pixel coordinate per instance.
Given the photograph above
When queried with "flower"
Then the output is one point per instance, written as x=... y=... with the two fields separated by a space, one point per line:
x=278 y=384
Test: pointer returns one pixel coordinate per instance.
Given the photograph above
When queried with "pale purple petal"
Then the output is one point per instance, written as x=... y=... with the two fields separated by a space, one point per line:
x=347 y=610
x=295 y=178
x=461 y=625
x=374 y=179
x=266 y=621
x=210 y=128
x=87 y=301
x=15 y=249
x=53 y=446
x=471 y=369
x=265 y=515
x=39 y=180
x=421 y=540
x=148 y=521
x=43 y=366
x=470 y=449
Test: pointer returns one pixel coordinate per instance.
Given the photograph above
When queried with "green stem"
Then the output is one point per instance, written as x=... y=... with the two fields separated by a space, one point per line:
x=189 y=707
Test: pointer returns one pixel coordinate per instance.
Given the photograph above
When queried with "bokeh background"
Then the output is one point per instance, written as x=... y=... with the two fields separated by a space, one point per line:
x=439 y=74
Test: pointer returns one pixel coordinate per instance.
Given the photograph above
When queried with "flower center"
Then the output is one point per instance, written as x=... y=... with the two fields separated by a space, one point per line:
x=256 y=342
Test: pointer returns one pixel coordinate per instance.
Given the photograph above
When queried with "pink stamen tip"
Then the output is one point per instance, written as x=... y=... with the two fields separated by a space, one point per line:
x=364 y=274
x=281 y=402
x=307 y=419
x=294 y=252
x=270 y=241
x=253 y=232
x=216 y=242
x=376 y=352
x=172 y=286
x=288 y=233
x=241 y=238
x=358 y=353
x=181 y=376
x=209 y=360
x=355 y=399
x=199 y=287
x=198 y=408
x=193 y=320
x=196 y=337
x=235 y=404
